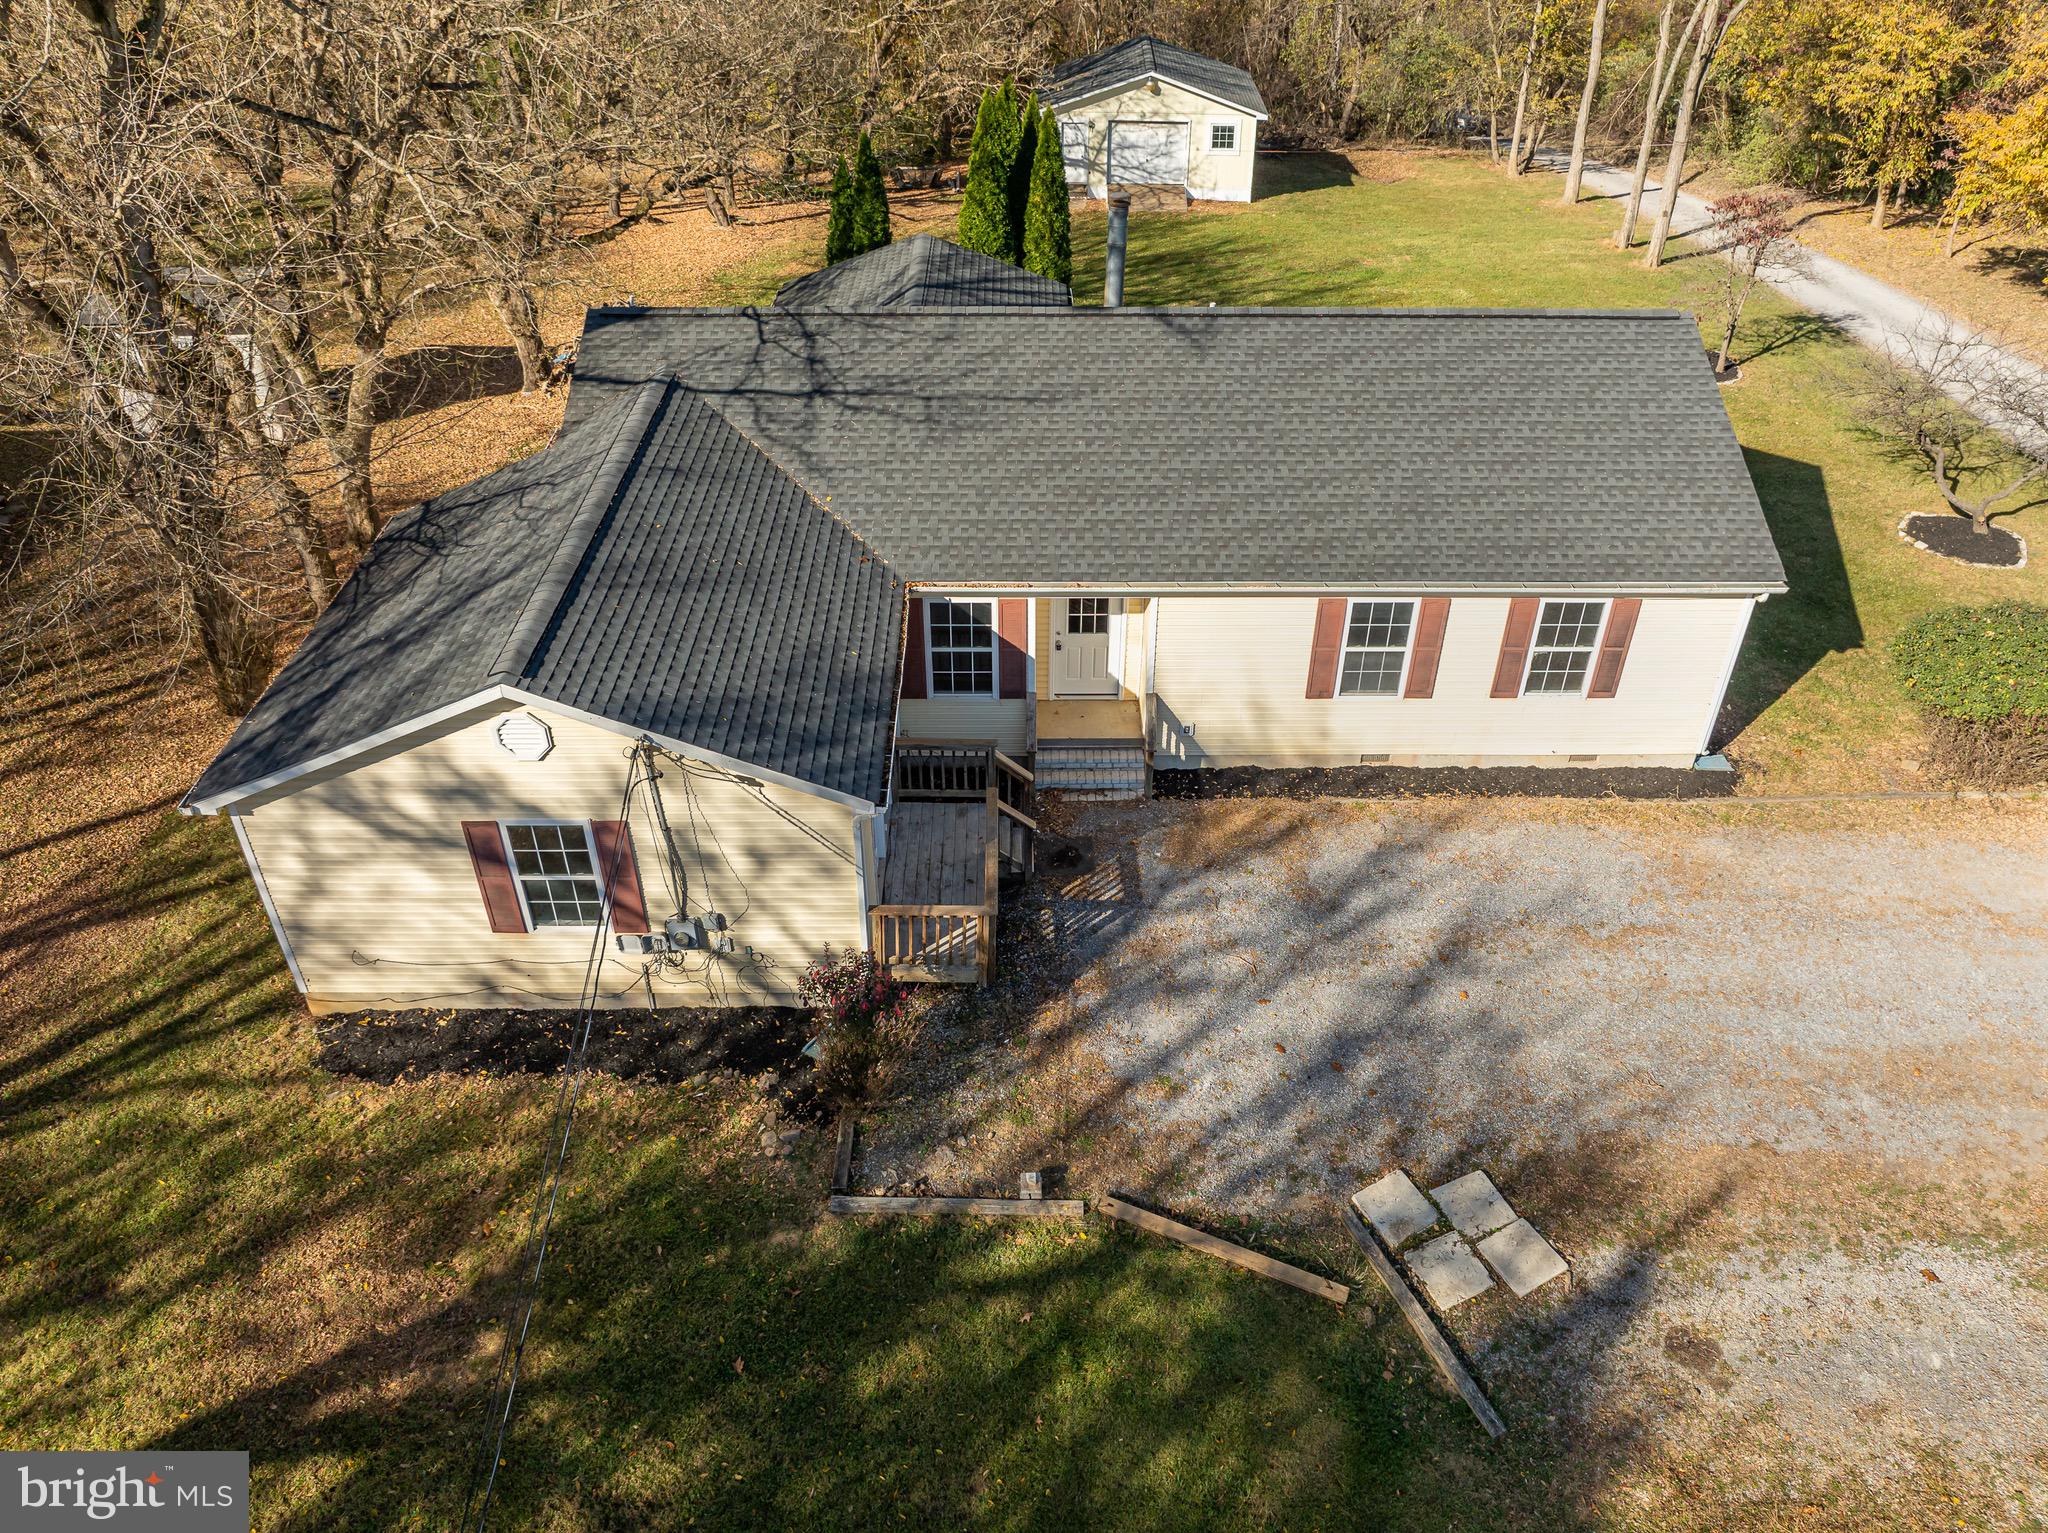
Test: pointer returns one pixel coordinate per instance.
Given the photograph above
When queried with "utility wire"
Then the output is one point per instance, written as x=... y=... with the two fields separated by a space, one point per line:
x=505 y=1379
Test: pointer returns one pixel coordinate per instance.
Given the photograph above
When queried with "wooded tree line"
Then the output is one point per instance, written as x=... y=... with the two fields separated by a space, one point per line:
x=216 y=215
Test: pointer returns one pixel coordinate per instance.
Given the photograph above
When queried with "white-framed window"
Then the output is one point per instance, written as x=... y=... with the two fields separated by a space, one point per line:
x=1561 y=656
x=1074 y=150
x=1377 y=636
x=960 y=646
x=555 y=866
x=1223 y=137
x=1088 y=614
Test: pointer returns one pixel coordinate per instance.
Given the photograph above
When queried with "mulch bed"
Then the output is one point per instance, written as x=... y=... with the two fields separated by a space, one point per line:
x=666 y=1047
x=1443 y=782
x=1952 y=538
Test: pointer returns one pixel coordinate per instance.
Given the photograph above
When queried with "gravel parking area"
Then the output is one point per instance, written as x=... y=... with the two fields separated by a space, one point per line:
x=1774 y=1081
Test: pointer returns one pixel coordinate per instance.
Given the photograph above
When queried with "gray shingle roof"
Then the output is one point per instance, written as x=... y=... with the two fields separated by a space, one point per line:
x=1144 y=56
x=650 y=567
x=1287 y=446
x=922 y=271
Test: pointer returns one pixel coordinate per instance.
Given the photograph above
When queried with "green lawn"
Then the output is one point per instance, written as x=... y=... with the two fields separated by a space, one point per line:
x=1817 y=705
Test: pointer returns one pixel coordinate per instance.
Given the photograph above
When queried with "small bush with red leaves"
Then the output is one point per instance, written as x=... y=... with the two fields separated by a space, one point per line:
x=868 y=1023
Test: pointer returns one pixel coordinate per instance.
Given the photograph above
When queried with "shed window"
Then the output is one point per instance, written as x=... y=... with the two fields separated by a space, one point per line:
x=1223 y=135
x=1376 y=648
x=1566 y=633
x=556 y=872
x=962 y=645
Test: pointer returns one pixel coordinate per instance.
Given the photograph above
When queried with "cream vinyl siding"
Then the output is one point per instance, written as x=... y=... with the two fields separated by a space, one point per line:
x=1216 y=175
x=1005 y=720
x=372 y=862
x=1232 y=673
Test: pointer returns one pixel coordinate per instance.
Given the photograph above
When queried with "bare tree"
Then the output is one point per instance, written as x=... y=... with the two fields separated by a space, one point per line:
x=1663 y=74
x=1714 y=23
x=99 y=341
x=1957 y=406
x=1751 y=230
x=1577 y=168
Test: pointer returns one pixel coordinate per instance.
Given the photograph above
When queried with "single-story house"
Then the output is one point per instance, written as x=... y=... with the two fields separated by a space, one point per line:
x=1148 y=113
x=776 y=644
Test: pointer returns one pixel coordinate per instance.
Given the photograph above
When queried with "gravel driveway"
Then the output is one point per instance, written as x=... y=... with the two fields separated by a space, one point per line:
x=1775 y=1081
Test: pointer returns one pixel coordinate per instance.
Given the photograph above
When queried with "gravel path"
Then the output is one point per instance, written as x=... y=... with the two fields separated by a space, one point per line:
x=1876 y=313
x=1417 y=987
x=1756 y=1079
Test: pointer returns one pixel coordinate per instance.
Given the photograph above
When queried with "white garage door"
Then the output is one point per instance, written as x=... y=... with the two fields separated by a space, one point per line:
x=1148 y=153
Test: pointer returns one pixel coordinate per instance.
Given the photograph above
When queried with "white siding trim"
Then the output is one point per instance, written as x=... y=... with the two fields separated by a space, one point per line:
x=284 y=942
x=1720 y=697
x=1104 y=92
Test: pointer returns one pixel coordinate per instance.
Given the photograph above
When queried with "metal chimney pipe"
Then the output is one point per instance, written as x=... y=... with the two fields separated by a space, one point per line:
x=1119 y=236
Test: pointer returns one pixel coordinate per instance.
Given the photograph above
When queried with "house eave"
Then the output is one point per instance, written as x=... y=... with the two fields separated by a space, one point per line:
x=482 y=704
x=1104 y=92
x=1747 y=588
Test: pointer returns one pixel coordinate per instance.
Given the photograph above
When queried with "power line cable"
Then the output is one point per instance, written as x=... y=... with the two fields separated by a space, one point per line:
x=540 y=1225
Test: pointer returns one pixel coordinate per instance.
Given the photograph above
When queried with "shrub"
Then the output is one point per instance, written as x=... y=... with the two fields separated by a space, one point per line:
x=870 y=200
x=867 y=1023
x=1980 y=675
x=987 y=223
x=1048 y=232
x=839 y=219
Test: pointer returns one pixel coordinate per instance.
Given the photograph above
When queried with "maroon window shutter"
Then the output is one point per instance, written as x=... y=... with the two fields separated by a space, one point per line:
x=1430 y=616
x=1621 y=627
x=494 y=875
x=913 y=648
x=1514 y=647
x=615 y=861
x=1327 y=645
x=1011 y=621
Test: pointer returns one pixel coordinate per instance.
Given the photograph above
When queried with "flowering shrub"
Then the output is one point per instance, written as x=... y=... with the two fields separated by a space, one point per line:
x=867 y=1022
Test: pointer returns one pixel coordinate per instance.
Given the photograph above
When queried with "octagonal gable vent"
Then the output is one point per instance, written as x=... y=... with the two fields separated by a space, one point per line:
x=524 y=737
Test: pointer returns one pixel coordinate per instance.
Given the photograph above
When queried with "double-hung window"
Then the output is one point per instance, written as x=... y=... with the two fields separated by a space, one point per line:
x=961 y=641
x=556 y=872
x=1376 y=640
x=1566 y=634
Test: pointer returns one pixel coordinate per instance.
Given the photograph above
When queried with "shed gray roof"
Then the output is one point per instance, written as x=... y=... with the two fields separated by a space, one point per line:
x=650 y=567
x=921 y=272
x=1148 y=56
x=1287 y=446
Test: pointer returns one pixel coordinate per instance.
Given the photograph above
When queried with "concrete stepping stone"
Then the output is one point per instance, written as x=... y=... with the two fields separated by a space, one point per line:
x=1522 y=1257
x=1448 y=1271
x=1474 y=1205
x=1395 y=1207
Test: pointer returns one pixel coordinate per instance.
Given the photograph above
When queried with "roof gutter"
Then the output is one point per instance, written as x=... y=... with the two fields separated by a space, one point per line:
x=1355 y=588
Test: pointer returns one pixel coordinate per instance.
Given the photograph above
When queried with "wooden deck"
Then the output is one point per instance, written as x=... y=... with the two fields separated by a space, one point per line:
x=1095 y=720
x=960 y=815
x=938 y=855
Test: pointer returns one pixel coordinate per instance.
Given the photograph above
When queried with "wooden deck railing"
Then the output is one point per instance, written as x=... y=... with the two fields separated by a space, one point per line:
x=956 y=942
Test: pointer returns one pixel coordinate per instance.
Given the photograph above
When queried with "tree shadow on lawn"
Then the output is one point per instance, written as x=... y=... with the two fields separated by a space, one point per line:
x=1283 y=172
x=1791 y=634
x=429 y=378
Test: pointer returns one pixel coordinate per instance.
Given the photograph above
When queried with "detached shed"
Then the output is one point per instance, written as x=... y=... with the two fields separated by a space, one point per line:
x=1148 y=113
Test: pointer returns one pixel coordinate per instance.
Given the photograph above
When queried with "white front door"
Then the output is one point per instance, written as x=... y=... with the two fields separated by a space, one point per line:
x=1083 y=633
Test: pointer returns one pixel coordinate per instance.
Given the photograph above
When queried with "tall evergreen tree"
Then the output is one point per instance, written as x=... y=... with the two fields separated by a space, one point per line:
x=1048 y=233
x=988 y=221
x=1020 y=171
x=839 y=220
x=870 y=200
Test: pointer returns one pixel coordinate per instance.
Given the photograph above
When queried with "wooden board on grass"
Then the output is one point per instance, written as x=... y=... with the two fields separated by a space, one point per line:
x=1433 y=1340
x=1014 y=1208
x=1215 y=1245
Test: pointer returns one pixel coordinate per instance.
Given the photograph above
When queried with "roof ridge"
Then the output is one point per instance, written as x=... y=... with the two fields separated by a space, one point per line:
x=537 y=615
